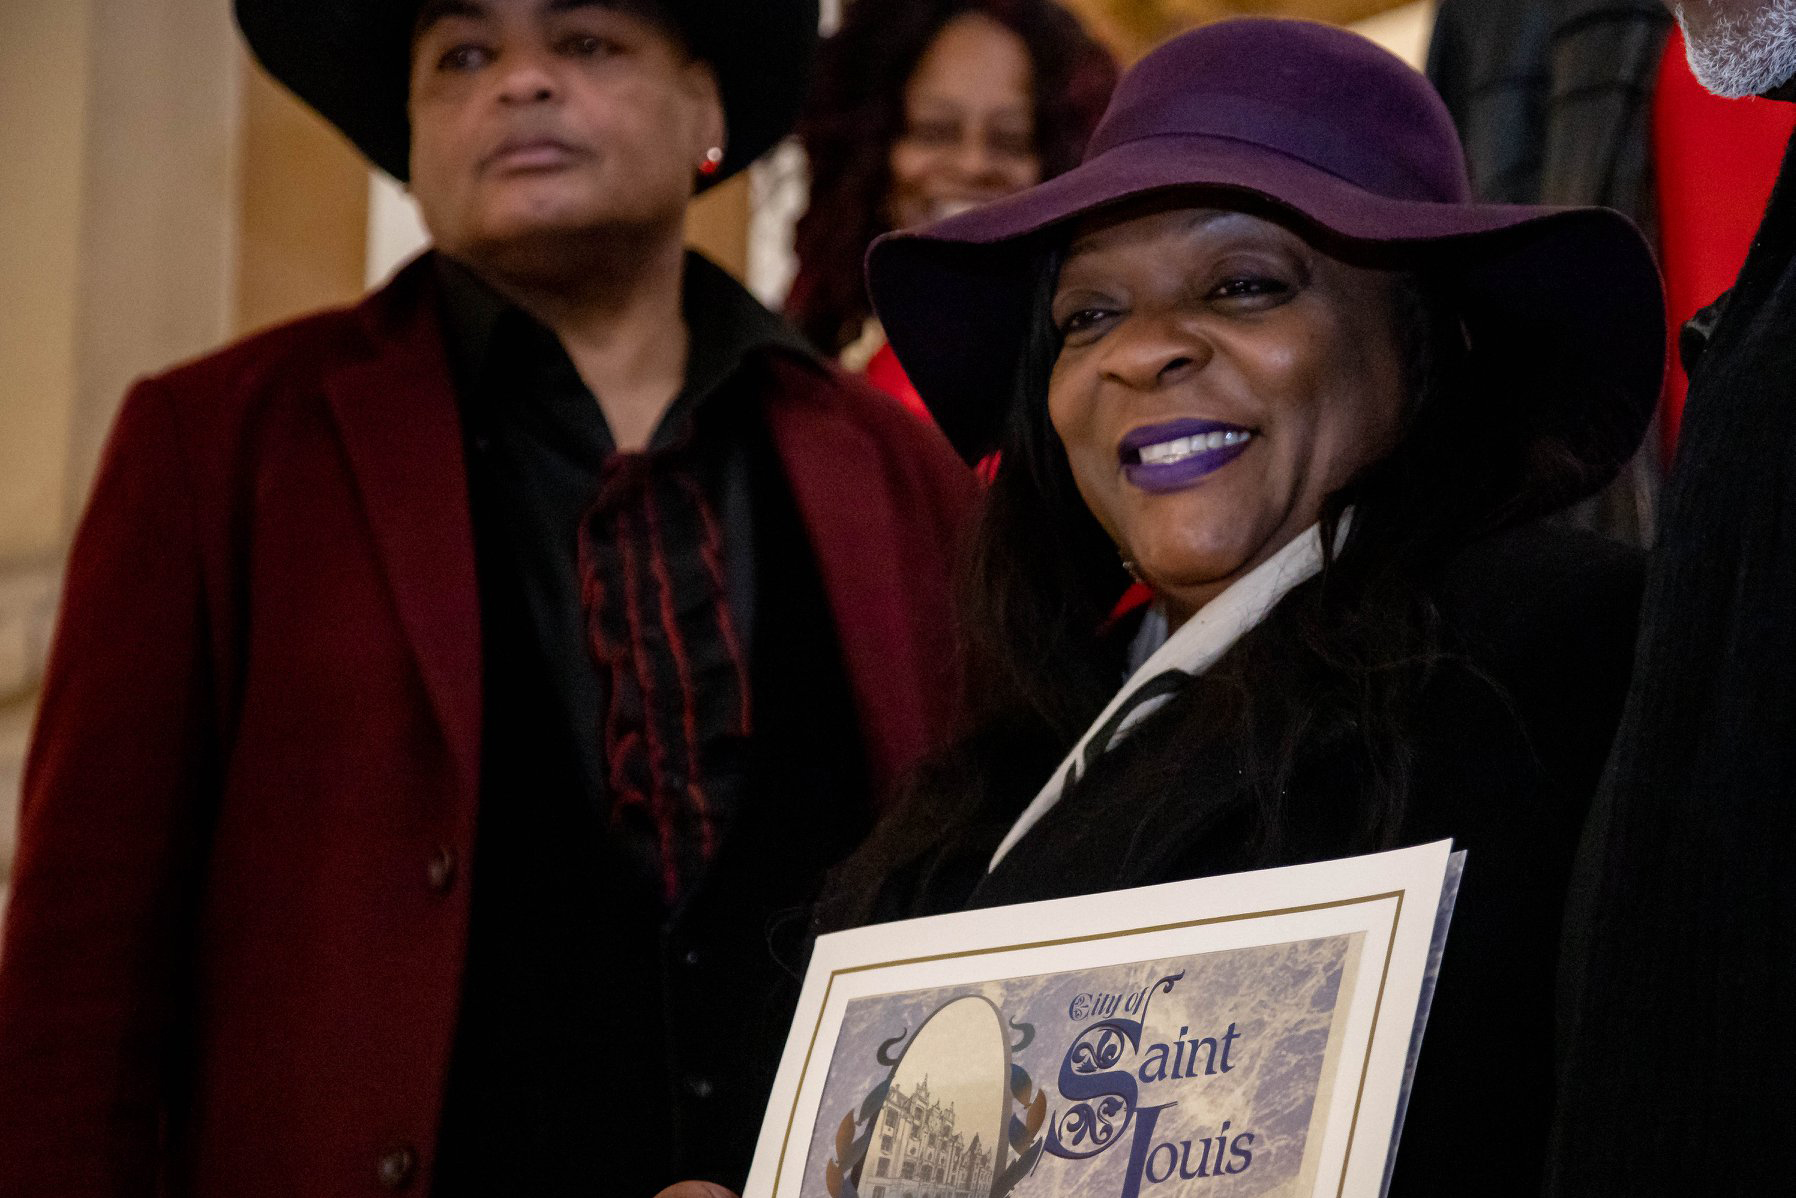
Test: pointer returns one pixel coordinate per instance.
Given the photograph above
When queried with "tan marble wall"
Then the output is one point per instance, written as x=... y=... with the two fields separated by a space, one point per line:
x=1404 y=31
x=43 y=91
x=119 y=153
x=302 y=208
x=44 y=86
x=1133 y=26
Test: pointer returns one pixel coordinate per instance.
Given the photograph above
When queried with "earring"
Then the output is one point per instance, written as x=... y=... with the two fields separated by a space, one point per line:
x=713 y=161
x=1128 y=563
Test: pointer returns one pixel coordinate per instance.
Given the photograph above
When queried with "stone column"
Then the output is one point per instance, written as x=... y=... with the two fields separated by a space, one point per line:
x=118 y=161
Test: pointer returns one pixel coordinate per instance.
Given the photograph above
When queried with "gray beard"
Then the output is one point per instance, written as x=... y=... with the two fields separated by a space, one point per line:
x=1746 y=55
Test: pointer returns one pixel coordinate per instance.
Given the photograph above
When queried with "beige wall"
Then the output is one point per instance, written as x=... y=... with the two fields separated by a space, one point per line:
x=1131 y=27
x=158 y=207
x=1403 y=31
x=43 y=92
x=118 y=157
x=717 y=224
x=302 y=209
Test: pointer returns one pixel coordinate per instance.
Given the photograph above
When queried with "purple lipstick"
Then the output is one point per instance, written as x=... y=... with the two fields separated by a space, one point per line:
x=1172 y=456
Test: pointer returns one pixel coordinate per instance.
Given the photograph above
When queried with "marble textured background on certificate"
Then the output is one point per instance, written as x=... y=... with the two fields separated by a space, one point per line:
x=1242 y=1054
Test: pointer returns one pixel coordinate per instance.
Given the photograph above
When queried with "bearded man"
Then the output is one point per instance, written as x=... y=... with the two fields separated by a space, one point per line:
x=1680 y=1075
x=457 y=698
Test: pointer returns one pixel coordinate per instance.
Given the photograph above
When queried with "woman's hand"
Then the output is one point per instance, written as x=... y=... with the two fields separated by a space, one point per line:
x=695 y=1189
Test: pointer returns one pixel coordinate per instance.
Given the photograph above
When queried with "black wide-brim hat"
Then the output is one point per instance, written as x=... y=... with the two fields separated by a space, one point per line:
x=350 y=60
x=1563 y=306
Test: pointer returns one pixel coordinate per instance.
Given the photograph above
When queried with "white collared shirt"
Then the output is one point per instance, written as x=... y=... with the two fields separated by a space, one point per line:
x=1194 y=648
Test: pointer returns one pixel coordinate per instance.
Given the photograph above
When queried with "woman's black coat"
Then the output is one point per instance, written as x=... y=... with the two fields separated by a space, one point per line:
x=1504 y=751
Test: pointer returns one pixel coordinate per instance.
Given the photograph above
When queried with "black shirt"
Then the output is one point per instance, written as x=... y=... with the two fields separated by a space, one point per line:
x=648 y=618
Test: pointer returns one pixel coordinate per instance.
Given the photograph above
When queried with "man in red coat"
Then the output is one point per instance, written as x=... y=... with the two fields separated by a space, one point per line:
x=457 y=697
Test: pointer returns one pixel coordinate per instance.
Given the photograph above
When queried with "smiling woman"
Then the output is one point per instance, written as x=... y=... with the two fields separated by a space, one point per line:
x=1196 y=339
x=1262 y=352
x=924 y=108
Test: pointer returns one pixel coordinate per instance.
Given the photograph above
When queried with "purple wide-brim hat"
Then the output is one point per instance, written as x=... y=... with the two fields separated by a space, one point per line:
x=1562 y=306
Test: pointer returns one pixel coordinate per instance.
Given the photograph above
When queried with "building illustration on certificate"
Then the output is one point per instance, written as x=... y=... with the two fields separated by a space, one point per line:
x=923 y=1151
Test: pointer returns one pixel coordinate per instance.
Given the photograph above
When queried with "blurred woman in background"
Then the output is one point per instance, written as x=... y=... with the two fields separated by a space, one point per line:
x=922 y=109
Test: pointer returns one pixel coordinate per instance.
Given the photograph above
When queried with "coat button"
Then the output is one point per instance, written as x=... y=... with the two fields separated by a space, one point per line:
x=441 y=871
x=396 y=1168
x=701 y=1087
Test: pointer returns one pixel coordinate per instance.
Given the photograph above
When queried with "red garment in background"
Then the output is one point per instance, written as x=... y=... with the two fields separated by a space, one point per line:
x=884 y=372
x=1715 y=162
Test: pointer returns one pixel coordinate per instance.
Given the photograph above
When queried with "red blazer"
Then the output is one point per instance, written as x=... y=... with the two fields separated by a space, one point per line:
x=234 y=949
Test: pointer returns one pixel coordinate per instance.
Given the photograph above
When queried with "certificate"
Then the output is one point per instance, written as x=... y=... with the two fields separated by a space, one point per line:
x=1237 y=1036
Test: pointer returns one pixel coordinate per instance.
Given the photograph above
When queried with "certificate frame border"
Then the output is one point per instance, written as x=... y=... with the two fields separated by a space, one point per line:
x=1390 y=949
